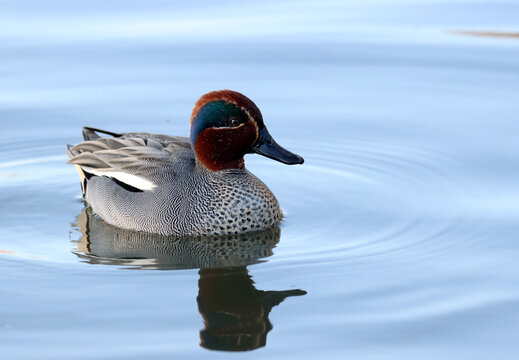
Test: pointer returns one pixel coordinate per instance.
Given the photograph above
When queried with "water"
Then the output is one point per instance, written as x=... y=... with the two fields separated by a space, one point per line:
x=400 y=235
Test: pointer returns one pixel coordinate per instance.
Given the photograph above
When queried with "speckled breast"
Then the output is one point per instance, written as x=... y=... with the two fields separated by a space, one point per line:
x=238 y=202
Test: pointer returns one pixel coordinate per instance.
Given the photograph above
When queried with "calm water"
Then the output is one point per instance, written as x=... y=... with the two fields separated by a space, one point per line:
x=401 y=231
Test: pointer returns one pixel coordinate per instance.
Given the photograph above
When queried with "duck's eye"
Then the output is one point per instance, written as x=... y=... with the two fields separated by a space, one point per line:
x=234 y=121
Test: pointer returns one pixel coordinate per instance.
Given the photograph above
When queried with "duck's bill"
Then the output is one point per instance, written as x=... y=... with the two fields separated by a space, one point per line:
x=268 y=147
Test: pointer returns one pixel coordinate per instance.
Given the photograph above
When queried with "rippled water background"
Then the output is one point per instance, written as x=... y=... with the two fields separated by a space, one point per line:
x=401 y=227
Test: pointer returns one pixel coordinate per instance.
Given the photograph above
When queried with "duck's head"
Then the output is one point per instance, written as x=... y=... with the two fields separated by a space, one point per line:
x=226 y=125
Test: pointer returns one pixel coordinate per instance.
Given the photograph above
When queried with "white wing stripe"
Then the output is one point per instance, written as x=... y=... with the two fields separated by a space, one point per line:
x=132 y=180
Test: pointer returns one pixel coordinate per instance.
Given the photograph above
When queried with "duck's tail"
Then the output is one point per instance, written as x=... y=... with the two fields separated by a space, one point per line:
x=90 y=133
x=82 y=176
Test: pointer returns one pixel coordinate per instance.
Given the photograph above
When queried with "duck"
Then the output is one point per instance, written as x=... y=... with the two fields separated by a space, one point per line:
x=184 y=186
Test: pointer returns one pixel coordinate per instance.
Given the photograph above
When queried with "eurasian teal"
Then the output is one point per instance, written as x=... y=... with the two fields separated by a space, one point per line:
x=176 y=185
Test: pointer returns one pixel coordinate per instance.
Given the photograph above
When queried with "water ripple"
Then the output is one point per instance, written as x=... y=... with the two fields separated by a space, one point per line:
x=372 y=200
x=360 y=200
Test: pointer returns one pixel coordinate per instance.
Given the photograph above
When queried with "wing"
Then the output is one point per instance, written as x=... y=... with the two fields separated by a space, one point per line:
x=139 y=160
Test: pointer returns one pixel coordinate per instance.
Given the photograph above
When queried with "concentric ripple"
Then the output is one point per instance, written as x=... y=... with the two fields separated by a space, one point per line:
x=363 y=199
x=356 y=200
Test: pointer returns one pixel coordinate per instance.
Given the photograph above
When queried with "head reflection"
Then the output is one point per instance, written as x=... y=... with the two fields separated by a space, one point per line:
x=235 y=313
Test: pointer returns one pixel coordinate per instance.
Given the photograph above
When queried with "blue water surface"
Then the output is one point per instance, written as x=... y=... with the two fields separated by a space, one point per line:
x=400 y=231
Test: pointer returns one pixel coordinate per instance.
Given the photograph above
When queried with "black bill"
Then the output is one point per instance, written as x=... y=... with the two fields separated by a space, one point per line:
x=267 y=146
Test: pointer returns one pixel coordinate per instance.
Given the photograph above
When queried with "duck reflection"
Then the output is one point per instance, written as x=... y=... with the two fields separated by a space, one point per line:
x=235 y=313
